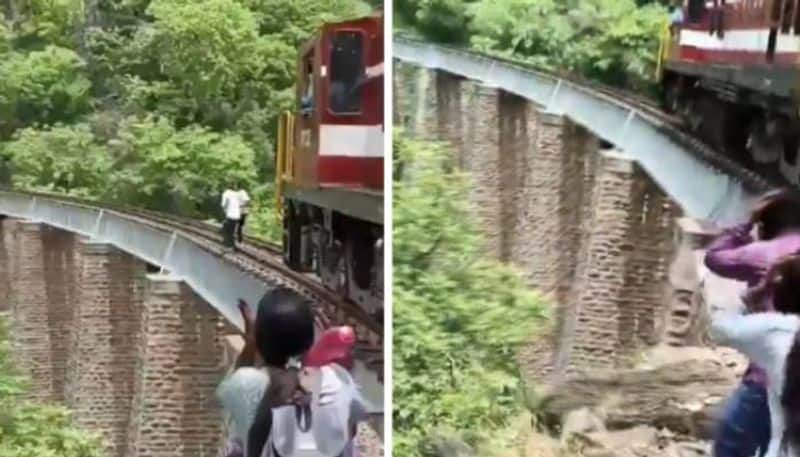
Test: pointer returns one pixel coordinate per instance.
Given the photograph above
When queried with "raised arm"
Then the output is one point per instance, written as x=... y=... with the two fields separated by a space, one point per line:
x=735 y=255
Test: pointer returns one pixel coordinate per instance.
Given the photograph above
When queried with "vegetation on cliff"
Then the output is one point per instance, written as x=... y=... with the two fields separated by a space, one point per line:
x=33 y=430
x=458 y=318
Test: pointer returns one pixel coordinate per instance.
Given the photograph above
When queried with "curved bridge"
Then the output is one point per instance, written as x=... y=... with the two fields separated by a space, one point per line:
x=602 y=233
x=116 y=310
x=705 y=185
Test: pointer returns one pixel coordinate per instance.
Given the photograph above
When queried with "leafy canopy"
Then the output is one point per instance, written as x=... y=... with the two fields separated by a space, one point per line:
x=157 y=103
x=613 y=41
x=458 y=319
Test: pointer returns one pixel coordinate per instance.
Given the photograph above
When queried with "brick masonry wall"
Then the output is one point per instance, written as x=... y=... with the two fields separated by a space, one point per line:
x=449 y=119
x=5 y=267
x=180 y=363
x=535 y=196
x=550 y=230
x=104 y=350
x=645 y=293
x=30 y=331
x=482 y=161
x=594 y=341
x=59 y=275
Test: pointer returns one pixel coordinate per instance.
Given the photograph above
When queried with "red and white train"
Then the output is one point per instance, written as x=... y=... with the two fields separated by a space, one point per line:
x=732 y=69
x=330 y=162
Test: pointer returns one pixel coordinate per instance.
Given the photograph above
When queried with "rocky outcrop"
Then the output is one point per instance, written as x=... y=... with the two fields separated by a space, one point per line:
x=678 y=389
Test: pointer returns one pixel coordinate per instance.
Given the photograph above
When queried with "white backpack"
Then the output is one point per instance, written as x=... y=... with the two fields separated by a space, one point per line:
x=322 y=428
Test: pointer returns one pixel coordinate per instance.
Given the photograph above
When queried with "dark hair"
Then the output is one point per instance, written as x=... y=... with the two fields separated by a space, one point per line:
x=284 y=329
x=787 y=300
x=781 y=213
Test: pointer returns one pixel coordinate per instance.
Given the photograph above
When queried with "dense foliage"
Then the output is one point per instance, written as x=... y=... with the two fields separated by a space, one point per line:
x=458 y=319
x=613 y=41
x=33 y=430
x=156 y=103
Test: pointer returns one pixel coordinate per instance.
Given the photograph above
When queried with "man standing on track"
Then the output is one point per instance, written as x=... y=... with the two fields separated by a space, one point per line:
x=232 y=205
x=244 y=202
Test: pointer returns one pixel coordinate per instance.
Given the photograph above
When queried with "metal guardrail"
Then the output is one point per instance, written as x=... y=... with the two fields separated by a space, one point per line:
x=216 y=280
x=700 y=189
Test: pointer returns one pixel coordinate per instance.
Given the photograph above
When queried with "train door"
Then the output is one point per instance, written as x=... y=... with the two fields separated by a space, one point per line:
x=307 y=118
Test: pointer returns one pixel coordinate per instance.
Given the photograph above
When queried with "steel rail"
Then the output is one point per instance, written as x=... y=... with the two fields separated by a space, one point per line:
x=192 y=251
x=704 y=183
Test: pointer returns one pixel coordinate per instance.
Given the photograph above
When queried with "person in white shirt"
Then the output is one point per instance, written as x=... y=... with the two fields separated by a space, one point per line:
x=244 y=201
x=232 y=205
x=771 y=340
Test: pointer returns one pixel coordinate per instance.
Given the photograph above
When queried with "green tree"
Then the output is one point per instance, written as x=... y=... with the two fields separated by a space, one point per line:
x=612 y=41
x=167 y=98
x=42 y=87
x=181 y=171
x=35 y=430
x=60 y=159
x=458 y=318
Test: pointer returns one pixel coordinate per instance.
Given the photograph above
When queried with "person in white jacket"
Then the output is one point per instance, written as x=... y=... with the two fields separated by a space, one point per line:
x=232 y=206
x=770 y=340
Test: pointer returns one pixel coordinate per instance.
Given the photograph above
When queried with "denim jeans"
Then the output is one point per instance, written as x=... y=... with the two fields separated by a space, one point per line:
x=744 y=425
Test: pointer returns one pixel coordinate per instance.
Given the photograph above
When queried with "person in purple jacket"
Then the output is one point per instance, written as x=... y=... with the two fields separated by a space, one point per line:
x=744 y=427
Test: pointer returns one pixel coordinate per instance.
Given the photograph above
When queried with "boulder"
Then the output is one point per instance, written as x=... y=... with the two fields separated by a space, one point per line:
x=680 y=389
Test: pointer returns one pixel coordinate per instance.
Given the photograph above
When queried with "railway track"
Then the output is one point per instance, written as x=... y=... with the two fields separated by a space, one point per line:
x=263 y=260
x=641 y=106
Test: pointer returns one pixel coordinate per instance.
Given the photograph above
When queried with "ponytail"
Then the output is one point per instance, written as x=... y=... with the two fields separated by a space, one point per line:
x=261 y=429
x=284 y=383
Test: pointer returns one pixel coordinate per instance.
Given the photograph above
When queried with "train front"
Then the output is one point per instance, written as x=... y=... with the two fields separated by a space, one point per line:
x=330 y=163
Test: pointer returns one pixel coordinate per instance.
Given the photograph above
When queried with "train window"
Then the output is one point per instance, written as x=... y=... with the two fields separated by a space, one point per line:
x=307 y=101
x=347 y=72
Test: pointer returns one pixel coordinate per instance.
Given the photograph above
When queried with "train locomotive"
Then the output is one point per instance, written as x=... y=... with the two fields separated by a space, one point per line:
x=731 y=70
x=329 y=162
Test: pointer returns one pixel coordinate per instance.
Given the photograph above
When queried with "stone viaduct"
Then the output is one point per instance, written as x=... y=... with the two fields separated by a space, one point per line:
x=586 y=225
x=135 y=354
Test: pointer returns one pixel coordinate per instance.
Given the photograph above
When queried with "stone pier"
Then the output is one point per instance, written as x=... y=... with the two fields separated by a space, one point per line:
x=180 y=362
x=103 y=353
x=30 y=329
x=588 y=228
x=60 y=278
x=136 y=357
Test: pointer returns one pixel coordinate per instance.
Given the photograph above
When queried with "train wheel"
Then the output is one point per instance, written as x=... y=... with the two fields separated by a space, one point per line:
x=343 y=272
x=789 y=164
x=689 y=113
x=672 y=96
x=291 y=238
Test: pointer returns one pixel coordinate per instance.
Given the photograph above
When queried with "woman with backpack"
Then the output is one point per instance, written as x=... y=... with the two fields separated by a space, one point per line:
x=277 y=407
